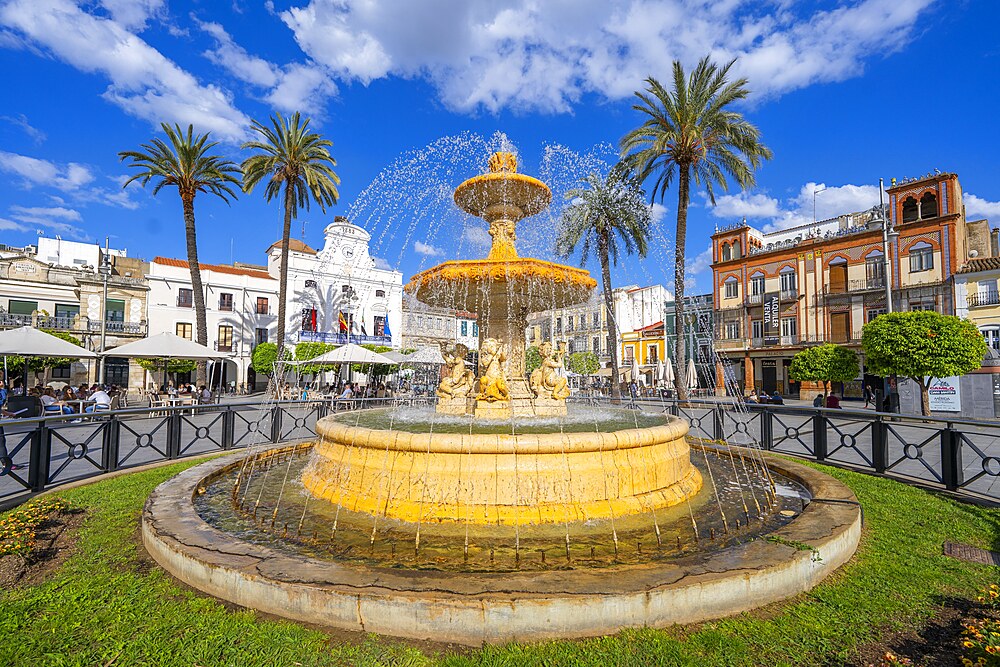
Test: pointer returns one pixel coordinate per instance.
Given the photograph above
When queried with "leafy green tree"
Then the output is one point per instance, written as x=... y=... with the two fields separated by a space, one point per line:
x=825 y=363
x=583 y=363
x=293 y=159
x=171 y=366
x=532 y=359
x=306 y=351
x=37 y=365
x=186 y=163
x=607 y=217
x=922 y=345
x=692 y=133
x=374 y=370
x=265 y=356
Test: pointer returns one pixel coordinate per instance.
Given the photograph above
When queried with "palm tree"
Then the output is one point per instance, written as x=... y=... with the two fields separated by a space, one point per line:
x=607 y=216
x=690 y=133
x=186 y=163
x=297 y=160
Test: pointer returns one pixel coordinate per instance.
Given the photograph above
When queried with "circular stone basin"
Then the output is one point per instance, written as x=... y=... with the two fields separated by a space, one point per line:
x=479 y=193
x=571 y=600
x=502 y=478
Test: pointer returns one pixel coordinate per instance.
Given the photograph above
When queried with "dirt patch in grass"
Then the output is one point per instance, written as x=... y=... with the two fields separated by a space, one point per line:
x=55 y=541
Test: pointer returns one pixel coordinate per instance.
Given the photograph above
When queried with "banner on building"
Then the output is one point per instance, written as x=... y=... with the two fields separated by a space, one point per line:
x=945 y=394
x=772 y=321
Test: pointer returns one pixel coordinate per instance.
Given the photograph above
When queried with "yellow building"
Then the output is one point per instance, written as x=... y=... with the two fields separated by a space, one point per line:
x=977 y=297
x=646 y=345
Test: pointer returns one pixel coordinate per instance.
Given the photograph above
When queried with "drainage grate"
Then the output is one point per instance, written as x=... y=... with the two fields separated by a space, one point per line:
x=970 y=554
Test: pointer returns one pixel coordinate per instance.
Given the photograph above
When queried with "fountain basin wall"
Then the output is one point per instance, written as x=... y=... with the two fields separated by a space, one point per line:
x=476 y=608
x=502 y=479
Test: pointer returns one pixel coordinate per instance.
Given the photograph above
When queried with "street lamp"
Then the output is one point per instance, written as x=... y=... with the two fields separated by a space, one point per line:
x=105 y=270
x=888 y=232
x=816 y=192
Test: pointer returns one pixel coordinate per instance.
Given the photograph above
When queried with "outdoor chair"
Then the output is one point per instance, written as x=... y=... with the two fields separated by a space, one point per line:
x=156 y=402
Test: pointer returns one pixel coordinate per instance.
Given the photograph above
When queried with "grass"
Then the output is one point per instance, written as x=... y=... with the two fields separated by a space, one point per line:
x=105 y=606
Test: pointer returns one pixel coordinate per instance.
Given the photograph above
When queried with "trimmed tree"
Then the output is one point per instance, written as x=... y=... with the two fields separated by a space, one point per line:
x=306 y=351
x=582 y=363
x=825 y=363
x=264 y=356
x=922 y=345
x=532 y=360
x=374 y=370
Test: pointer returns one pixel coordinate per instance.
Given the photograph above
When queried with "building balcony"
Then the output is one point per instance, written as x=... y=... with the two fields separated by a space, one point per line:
x=789 y=294
x=118 y=328
x=853 y=286
x=754 y=299
x=730 y=344
x=984 y=299
x=342 y=338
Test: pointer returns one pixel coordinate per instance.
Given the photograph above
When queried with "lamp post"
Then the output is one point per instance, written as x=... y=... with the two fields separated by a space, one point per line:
x=105 y=271
x=816 y=192
x=887 y=233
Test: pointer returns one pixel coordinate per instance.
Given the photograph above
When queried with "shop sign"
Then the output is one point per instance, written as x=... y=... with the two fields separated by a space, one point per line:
x=772 y=321
x=945 y=394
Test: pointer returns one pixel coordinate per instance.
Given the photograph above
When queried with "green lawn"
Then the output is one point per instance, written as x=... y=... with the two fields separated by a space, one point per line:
x=105 y=607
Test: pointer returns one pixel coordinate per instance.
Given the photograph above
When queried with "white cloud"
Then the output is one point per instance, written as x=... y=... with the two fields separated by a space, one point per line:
x=477 y=237
x=36 y=171
x=134 y=14
x=426 y=249
x=301 y=88
x=546 y=55
x=58 y=219
x=830 y=201
x=10 y=225
x=979 y=207
x=235 y=59
x=700 y=263
x=21 y=121
x=143 y=82
x=382 y=264
x=744 y=205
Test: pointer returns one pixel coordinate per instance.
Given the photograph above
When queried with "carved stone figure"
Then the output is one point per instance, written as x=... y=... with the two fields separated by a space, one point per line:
x=546 y=381
x=458 y=380
x=492 y=383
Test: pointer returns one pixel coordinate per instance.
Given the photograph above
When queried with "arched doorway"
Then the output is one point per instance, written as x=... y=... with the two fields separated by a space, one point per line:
x=222 y=374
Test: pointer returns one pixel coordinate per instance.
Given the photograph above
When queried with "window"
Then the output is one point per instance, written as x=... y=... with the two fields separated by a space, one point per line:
x=570 y=347
x=465 y=328
x=66 y=313
x=597 y=320
x=569 y=323
x=309 y=319
x=652 y=354
x=558 y=325
x=475 y=330
x=226 y=301
x=992 y=336
x=596 y=344
x=789 y=327
x=757 y=284
x=61 y=372
x=727 y=252
x=732 y=330
x=911 y=211
x=310 y=283
x=788 y=282
x=380 y=325
x=380 y=294
x=875 y=269
x=756 y=328
x=921 y=257
x=225 y=338
x=22 y=307
x=629 y=353
x=736 y=249
x=873 y=313
x=928 y=206
x=183 y=329
x=114 y=310
x=732 y=288
x=185 y=298
x=262 y=305
x=926 y=303
x=260 y=335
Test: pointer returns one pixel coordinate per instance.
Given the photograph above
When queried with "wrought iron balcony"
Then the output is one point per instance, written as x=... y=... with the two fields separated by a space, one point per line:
x=984 y=299
x=754 y=299
x=117 y=327
x=789 y=294
x=342 y=338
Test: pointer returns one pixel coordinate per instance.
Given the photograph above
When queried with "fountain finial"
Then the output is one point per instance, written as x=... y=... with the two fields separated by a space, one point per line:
x=503 y=161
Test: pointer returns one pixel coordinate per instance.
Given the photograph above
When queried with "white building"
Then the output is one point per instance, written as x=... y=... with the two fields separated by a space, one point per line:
x=429 y=326
x=241 y=305
x=339 y=294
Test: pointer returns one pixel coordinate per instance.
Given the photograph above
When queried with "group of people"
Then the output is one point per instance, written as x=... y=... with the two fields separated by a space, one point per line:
x=764 y=398
x=68 y=400
x=201 y=394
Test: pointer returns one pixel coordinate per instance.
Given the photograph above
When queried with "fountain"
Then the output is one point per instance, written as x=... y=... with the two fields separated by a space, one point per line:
x=501 y=513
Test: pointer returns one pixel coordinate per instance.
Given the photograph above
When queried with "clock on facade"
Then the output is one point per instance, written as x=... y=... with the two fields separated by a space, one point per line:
x=348 y=251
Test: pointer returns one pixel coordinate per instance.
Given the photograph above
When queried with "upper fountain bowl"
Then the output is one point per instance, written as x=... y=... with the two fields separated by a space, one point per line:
x=503 y=193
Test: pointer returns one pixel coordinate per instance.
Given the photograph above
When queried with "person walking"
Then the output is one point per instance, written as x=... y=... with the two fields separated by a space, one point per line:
x=869 y=395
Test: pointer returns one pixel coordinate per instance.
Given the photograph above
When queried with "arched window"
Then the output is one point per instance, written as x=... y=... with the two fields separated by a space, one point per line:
x=921 y=257
x=875 y=269
x=736 y=250
x=789 y=285
x=757 y=284
x=732 y=288
x=928 y=206
x=992 y=336
x=727 y=252
x=910 y=210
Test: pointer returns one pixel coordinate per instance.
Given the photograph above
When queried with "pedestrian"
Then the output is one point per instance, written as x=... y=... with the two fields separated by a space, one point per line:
x=819 y=401
x=869 y=395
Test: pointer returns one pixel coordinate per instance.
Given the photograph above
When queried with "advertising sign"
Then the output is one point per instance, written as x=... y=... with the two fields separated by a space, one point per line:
x=945 y=394
x=772 y=321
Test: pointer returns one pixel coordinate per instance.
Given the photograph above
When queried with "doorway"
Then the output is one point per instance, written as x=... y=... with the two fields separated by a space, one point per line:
x=116 y=371
x=769 y=375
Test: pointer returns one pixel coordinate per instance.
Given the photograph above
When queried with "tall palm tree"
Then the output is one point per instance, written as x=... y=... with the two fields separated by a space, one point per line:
x=691 y=132
x=186 y=163
x=297 y=160
x=605 y=217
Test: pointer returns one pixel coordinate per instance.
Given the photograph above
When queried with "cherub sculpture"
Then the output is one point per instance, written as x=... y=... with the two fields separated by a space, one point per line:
x=458 y=380
x=546 y=380
x=492 y=383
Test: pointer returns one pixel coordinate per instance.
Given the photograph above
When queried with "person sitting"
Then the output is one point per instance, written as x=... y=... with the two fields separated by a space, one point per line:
x=204 y=394
x=762 y=398
x=751 y=398
x=832 y=401
x=49 y=401
x=819 y=401
x=101 y=398
x=776 y=398
x=345 y=397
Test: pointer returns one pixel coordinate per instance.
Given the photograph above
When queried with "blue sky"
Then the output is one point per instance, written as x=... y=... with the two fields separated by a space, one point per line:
x=845 y=92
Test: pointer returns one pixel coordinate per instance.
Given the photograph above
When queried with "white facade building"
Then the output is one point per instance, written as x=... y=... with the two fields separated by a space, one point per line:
x=339 y=294
x=241 y=306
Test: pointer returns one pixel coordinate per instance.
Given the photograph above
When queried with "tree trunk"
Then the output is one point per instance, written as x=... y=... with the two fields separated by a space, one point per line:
x=925 y=397
x=283 y=280
x=680 y=324
x=609 y=305
x=198 y=291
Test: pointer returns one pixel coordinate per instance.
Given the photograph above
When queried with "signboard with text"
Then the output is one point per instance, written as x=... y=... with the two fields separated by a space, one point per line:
x=945 y=395
x=772 y=322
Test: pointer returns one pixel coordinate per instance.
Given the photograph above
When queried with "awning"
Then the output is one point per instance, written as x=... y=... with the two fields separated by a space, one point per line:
x=346 y=354
x=30 y=342
x=163 y=346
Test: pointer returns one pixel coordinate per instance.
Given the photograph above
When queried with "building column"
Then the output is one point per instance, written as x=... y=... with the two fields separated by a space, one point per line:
x=748 y=375
x=720 y=378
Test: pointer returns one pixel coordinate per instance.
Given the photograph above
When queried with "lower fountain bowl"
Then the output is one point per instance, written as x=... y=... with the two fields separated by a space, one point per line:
x=488 y=607
x=526 y=479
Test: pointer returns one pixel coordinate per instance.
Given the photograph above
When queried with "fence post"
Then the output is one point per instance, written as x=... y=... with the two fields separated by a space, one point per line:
x=40 y=453
x=276 y=424
x=228 y=428
x=880 y=445
x=819 y=436
x=112 y=437
x=720 y=425
x=174 y=434
x=766 y=429
x=951 y=458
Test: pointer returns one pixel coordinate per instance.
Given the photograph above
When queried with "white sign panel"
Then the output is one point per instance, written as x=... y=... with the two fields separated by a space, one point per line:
x=945 y=394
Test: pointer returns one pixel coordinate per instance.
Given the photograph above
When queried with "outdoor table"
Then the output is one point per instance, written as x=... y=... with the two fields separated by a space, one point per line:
x=80 y=403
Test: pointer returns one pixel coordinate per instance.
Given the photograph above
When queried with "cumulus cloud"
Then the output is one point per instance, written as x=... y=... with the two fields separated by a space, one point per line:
x=57 y=219
x=35 y=171
x=699 y=264
x=477 y=237
x=382 y=264
x=976 y=207
x=744 y=206
x=142 y=81
x=427 y=249
x=21 y=121
x=546 y=55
